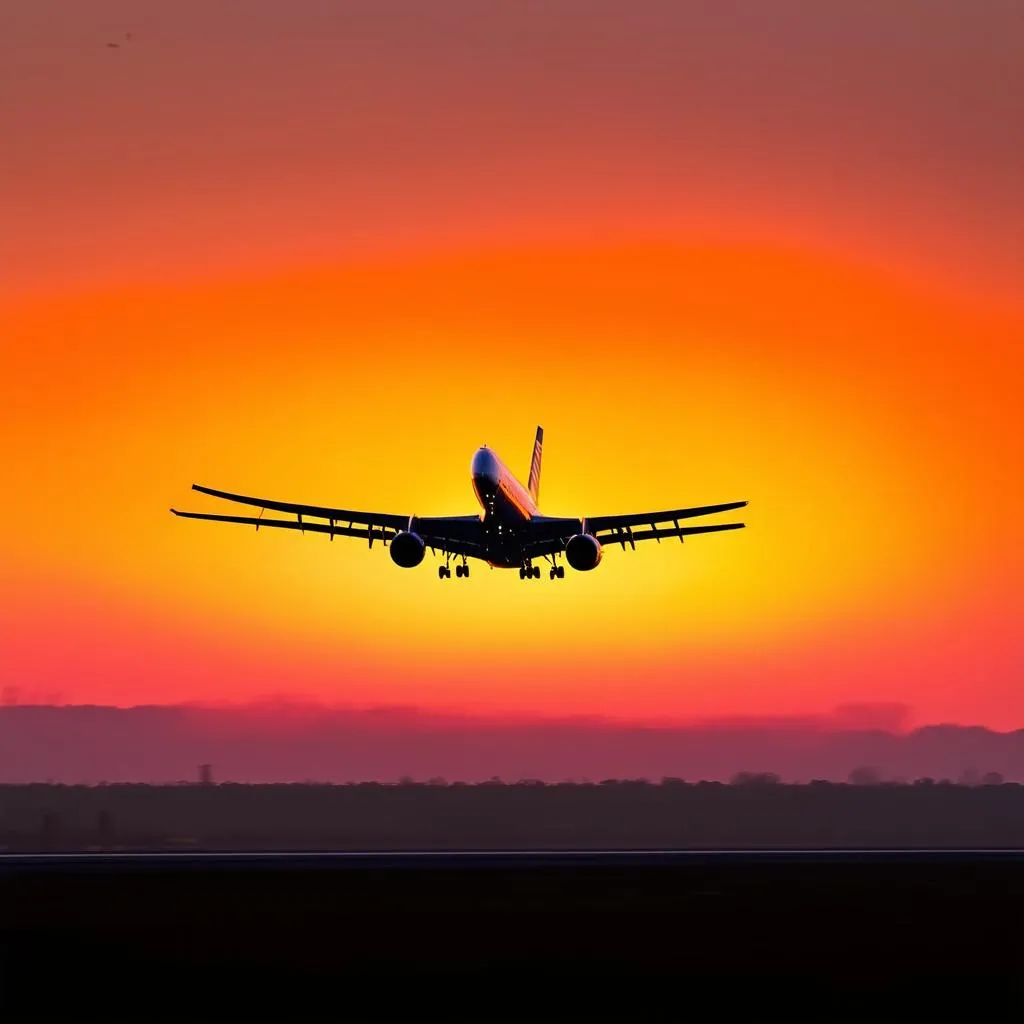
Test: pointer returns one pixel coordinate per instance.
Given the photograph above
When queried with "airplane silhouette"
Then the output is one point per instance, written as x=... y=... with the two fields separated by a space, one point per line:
x=508 y=533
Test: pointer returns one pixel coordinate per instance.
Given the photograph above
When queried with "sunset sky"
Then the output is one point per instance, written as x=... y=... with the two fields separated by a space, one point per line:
x=320 y=252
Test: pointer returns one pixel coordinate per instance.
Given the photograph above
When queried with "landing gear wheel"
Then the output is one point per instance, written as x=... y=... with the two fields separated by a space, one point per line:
x=552 y=574
x=535 y=572
x=465 y=571
x=522 y=572
x=442 y=572
x=560 y=571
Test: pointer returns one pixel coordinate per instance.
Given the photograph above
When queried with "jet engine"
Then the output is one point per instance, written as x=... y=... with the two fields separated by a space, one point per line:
x=407 y=549
x=583 y=552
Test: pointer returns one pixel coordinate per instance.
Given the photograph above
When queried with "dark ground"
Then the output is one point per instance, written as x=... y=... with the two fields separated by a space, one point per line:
x=916 y=936
x=610 y=815
x=927 y=935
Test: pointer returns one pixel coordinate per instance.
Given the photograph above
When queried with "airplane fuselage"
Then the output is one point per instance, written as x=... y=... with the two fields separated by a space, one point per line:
x=505 y=505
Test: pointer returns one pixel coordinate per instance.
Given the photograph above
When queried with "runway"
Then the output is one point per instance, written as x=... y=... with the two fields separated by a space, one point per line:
x=472 y=860
x=567 y=934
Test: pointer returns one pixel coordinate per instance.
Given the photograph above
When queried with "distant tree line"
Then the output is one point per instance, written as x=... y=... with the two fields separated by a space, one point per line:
x=755 y=810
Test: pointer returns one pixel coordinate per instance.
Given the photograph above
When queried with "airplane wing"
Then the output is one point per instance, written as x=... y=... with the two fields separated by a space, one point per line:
x=596 y=524
x=550 y=535
x=458 y=535
x=609 y=529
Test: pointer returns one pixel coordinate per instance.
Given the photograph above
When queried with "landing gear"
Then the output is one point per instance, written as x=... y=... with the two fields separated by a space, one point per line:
x=557 y=572
x=529 y=572
x=444 y=572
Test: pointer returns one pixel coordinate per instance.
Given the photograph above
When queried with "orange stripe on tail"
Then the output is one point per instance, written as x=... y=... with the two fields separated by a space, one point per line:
x=534 y=484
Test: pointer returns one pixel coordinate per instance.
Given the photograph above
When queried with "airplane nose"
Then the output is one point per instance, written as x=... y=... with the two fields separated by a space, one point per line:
x=485 y=467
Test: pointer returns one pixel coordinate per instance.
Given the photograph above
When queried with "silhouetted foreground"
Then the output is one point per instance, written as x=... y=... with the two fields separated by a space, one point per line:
x=754 y=812
x=786 y=936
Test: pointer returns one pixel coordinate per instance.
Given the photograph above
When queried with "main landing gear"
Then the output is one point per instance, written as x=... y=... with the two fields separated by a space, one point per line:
x=532 y=572
x=461 y=571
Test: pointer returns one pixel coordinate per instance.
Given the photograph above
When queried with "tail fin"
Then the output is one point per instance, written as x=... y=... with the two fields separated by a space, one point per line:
x=535 y=466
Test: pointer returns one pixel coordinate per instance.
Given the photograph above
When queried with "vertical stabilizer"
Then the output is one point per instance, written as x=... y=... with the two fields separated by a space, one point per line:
x=534 y=485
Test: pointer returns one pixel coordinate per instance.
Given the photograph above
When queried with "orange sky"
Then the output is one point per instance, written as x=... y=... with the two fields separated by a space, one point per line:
x=323 y=255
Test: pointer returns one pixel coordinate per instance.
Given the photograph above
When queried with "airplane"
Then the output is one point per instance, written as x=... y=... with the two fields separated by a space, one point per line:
x=508 y=532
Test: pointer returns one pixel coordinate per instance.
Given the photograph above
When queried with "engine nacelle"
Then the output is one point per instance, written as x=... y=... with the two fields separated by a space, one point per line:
x=407 y=549
x=583 y=552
